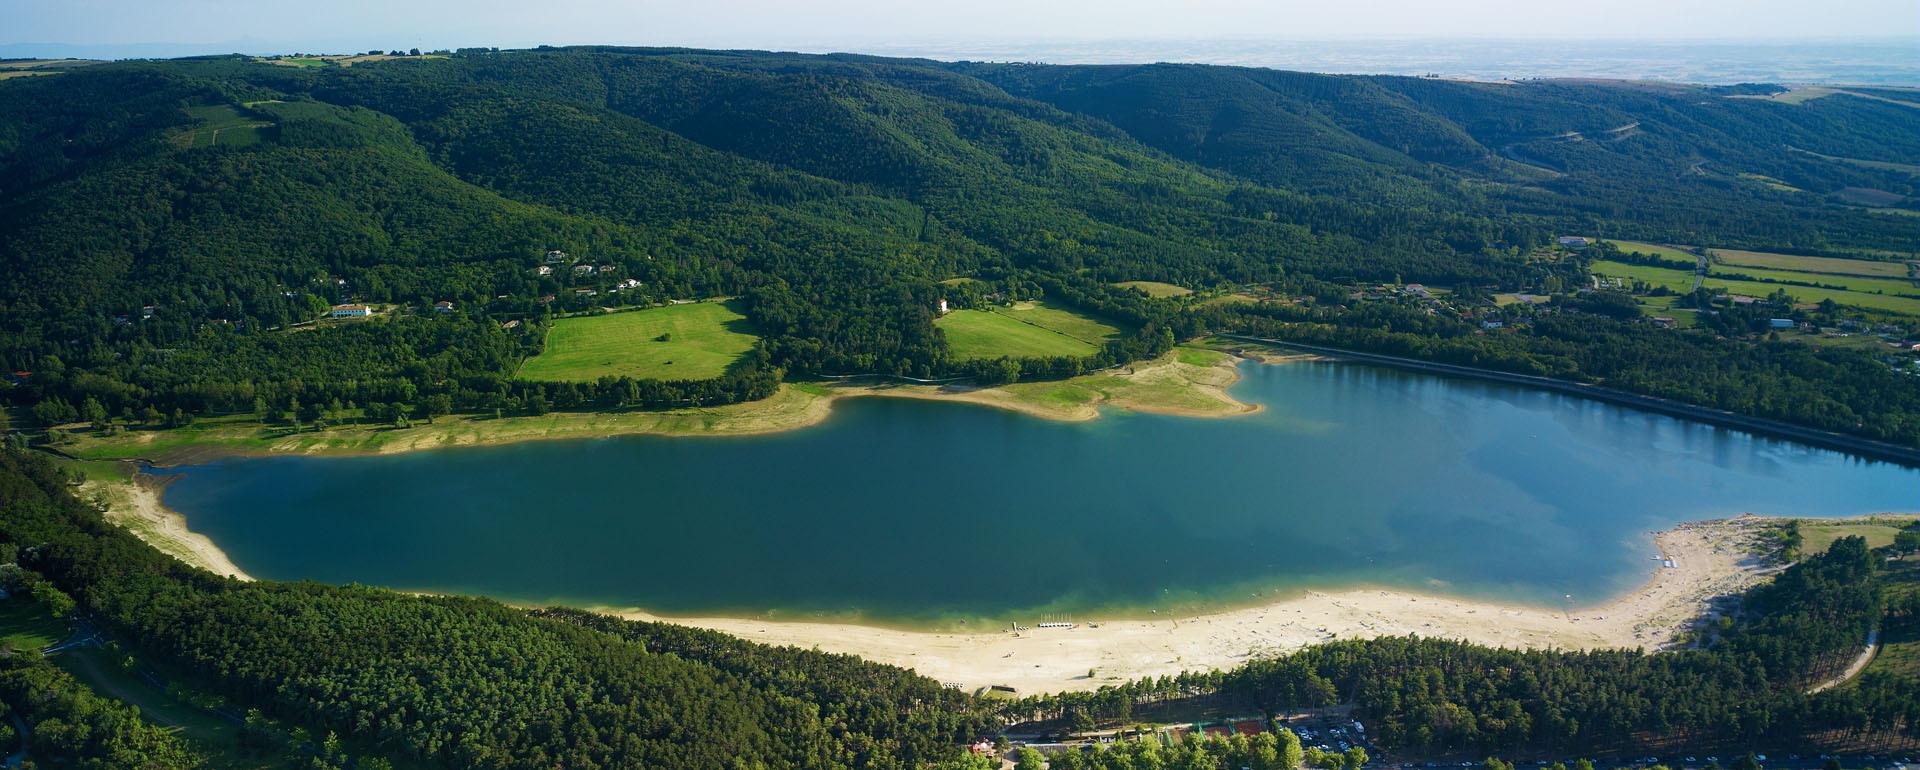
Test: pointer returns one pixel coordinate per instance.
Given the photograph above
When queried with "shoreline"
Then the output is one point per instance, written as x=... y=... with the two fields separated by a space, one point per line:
x=1178 y=383
x=136 y=506
x=1713 y=559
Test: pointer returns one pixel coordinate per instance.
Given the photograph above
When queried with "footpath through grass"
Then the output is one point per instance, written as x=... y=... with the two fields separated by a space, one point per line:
x=680 y=342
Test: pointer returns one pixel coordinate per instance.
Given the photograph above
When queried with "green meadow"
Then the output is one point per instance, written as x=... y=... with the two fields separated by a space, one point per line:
x=678 y=342
x=1024 y=330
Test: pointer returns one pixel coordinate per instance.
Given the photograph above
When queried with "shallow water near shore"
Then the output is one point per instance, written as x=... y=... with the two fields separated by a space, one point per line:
x=920 y=513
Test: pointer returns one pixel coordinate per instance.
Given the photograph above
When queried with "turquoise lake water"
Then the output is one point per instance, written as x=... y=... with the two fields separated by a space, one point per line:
x=914 y=512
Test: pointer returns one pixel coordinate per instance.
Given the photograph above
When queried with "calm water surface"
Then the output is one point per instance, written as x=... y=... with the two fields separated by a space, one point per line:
x=910 y=512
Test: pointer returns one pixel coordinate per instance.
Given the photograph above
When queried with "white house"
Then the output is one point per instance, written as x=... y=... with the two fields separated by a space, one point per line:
x=943 y=307
x=350 y=311
x=556 y=256
x=443 y=306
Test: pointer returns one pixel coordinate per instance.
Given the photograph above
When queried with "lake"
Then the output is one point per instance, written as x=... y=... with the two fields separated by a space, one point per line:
x=916 y=513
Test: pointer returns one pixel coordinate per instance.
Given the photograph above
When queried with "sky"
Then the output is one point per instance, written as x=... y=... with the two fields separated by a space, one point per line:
x=178 y=27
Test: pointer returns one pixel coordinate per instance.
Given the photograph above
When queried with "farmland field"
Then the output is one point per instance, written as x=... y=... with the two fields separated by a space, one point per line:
x=1861 y=267
x=1654 y=249
x=1026 y=329
x=1849 y=282
x=681 y=342
x=1156 y=288
x=1682 y=281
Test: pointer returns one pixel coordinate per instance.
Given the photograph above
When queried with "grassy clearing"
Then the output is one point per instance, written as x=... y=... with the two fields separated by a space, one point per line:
x=1821 y=535
x=1674 y=253
x=1770 y=182
x=1900 y=641
x=973 y=334
x=1156 y=288
x=222 y=125
x=1866 y=268
x=1061 y=320
x=26 y=625
x=678 y=342
x=1024 y=330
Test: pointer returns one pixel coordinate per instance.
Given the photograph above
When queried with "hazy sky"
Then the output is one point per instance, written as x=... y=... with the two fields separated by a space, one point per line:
x=261 y=26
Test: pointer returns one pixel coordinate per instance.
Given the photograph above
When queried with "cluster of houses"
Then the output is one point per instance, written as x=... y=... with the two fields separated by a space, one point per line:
x=556 y=257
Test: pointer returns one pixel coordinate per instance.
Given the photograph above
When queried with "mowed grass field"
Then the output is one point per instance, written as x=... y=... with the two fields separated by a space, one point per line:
x=701 y=341
x=1865 y=268
x=1156 y=288
x=1682 y=281
x=1024 y=330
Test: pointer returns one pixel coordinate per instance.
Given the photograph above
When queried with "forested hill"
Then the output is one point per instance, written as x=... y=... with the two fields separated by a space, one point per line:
x=163 y=223
x=1664 y=161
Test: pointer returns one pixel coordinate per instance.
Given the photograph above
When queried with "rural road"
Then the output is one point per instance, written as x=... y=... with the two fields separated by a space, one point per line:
x=1853 y=670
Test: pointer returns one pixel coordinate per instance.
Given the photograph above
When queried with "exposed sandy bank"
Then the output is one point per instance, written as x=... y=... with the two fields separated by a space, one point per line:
x=136 y=505
x=1711 y=560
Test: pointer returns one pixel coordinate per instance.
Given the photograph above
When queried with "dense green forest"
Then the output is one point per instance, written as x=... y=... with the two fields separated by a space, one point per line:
x=470 y=683
x=170 y=230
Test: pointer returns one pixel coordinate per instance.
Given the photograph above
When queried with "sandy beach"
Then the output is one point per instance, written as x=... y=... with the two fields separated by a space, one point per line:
x=1711 y=560
x=136 y=506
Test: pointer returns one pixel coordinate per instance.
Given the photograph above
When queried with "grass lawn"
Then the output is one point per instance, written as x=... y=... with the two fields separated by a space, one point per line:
x=1024 y=330
x=1861 y=267
x=700 y=341
x=1156 y=288
x=25 y=625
